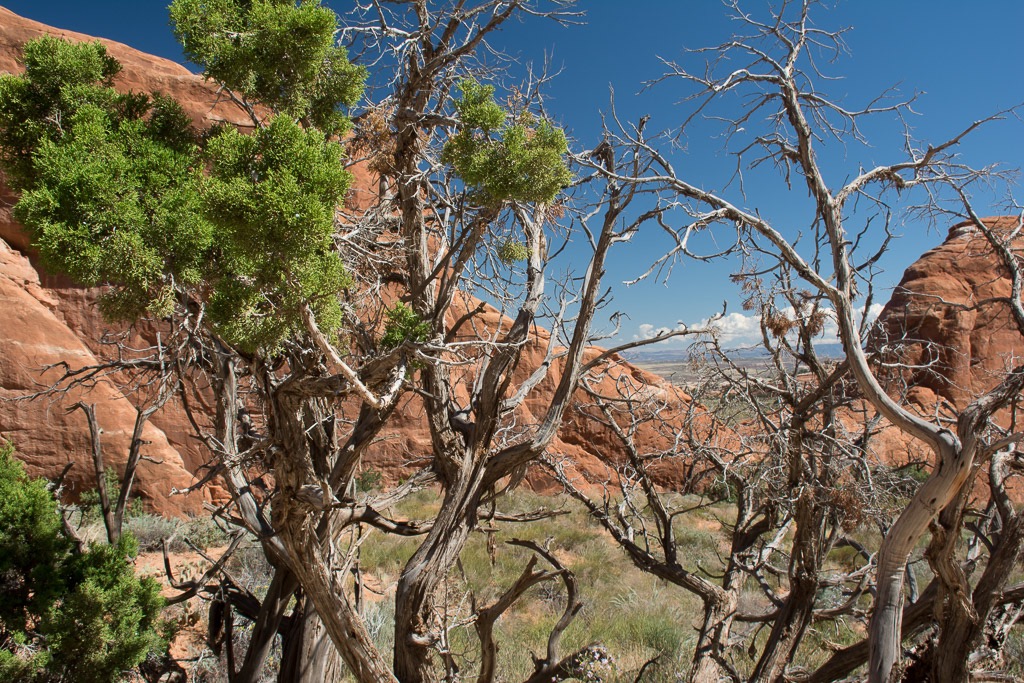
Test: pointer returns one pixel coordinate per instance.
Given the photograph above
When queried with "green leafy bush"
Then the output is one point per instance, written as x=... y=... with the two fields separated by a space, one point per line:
x=122 y=192
x=109 y=181
x=271 y=196
x=513 y=251
x=280 y=53
x=403 y=325
x=369 y=480
x=521 y=161
x=66 y=614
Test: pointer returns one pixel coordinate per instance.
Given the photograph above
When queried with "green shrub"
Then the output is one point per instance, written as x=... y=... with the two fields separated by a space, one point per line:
x=403 y=325
x=92 y=510
x=502 y=160
x=66 y=614
x=151 y=530
x=513 y=251
x=369 y=480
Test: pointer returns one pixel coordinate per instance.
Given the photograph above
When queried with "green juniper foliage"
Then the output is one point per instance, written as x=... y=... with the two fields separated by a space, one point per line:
x=502 y=161
x=59 y=78
x=403 y=325
x=277 y=52
x=66 y=615
x=513 y=251
x=272 y=196
x=108 y=181
x=119 y=191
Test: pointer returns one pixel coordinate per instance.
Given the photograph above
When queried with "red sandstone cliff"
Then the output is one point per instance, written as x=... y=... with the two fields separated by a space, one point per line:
x=945 y=321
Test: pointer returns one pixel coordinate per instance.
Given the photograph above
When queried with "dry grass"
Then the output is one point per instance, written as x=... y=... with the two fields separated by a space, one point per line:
x=635 y=616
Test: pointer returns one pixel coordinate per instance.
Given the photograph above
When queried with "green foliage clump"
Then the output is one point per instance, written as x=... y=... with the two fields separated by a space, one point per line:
x=118 y=190
x=403 y=325
x=65 y=614
x=513 y=251
x=59 y=79
x=272 y=196
x=92 y=508
x=109 y=181
x=521 y=161
x=277 y=52
x=369 y=480
x=477 y=108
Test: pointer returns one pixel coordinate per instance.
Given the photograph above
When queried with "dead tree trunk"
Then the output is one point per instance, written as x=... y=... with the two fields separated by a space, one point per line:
x=417 y=628
x=964 y=620
x=798 y=609
x=310 y=656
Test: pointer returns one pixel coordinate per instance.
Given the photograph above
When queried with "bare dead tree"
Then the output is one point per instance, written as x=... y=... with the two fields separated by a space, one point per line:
x=778 y=65
x=784 y=447
x=113 y=511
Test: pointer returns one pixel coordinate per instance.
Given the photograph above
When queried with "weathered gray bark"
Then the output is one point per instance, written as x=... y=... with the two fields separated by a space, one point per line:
x=416 y=617
x=917 y=617
x=303 y=466
x=266 y=626
x=310 y=655
x=797 y=611
x=964 y=620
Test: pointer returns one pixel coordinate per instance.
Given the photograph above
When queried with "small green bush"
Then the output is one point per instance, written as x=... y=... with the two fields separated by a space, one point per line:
x=403 y=325
x=89 y=501
x=369 y=480
x=67 y=614
x=513 y=251
x=502 y=160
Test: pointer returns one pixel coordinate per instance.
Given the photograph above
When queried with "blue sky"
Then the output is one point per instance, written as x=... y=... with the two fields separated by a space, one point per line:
x=963 y=57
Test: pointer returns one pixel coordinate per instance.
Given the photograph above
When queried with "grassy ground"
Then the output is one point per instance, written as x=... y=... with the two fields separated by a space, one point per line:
x=634 y=616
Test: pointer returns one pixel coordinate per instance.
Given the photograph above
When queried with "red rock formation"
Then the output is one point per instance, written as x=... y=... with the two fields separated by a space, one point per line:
x=945 y=323
x=947 y=337
x=46 y=435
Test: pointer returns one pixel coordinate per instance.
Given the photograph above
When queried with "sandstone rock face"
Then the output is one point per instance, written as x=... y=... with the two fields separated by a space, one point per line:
x=46 y=435
x=945 y=323
x=46 y=319
x=948 y=338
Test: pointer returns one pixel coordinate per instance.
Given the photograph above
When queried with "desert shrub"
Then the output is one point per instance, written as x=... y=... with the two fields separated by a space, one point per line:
x=403 y=325
x=1014 y=652
x=89 y=501
x=369 y=480
x=380 y=622
x=204 y=532
x=250 y=567
x=150 y=531
x=66 y=613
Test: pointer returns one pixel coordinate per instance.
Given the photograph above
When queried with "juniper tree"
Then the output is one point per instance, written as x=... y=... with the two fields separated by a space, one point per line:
x=67 y=612
x=276 y=296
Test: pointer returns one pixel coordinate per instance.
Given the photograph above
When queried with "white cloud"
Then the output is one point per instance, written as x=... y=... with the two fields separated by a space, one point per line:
x=648 y=331
x=734 y=328
x=741 y=329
